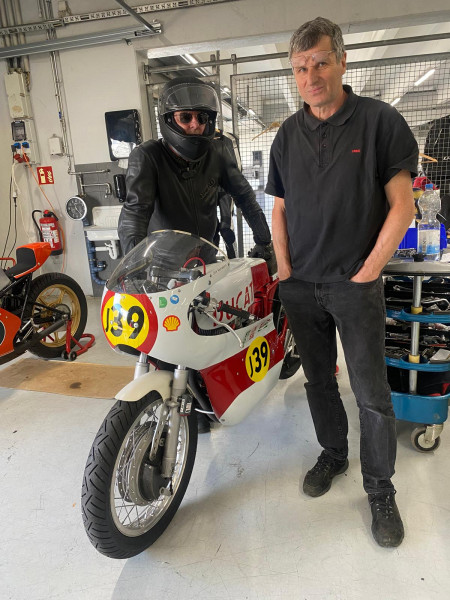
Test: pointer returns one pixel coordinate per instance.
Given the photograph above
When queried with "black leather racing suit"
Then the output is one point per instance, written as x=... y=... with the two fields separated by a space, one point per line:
x=166 y=192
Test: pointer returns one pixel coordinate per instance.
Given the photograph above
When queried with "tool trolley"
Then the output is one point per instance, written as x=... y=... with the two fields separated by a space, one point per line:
x=417 y=341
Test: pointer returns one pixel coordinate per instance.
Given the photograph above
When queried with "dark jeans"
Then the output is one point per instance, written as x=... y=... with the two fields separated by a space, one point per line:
x=357 y=310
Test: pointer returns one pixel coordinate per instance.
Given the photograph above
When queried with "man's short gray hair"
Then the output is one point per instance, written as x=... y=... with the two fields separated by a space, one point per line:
x=309 y=34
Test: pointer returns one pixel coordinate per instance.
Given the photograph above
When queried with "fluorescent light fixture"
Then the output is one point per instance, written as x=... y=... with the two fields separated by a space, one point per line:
x=251 y=112
x=190 y=59
x=226 y=90
x=396 y=101
x=424 y=77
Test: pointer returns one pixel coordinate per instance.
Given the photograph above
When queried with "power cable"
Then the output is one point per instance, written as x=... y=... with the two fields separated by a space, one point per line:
x=10 y=220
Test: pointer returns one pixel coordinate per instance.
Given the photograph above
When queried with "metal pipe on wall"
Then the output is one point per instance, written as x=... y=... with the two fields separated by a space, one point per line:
x=46 y=13
x=4 y=23
x=57 y=82
x=10 y=21
x=22 y=40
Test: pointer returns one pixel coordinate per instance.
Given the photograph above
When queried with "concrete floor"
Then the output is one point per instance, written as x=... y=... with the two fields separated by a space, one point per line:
x=243 y=531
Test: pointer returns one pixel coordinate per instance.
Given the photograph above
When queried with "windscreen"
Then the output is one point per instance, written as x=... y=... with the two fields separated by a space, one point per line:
x=163 y=261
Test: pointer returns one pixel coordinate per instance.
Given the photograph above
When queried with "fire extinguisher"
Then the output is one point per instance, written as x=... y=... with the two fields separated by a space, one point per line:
x=49 y=231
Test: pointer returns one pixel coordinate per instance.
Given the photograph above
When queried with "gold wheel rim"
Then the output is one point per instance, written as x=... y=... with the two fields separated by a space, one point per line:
x=55 y=296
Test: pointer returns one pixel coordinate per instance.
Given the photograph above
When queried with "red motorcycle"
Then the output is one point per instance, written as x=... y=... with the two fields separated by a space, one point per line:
x=46 y=315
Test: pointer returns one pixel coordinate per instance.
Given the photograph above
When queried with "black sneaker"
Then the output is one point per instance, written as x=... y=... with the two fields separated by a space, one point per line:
x=387 y=526
x=318 y=480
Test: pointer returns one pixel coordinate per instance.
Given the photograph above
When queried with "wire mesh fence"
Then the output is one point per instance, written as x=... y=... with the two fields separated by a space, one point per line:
x=417 y=86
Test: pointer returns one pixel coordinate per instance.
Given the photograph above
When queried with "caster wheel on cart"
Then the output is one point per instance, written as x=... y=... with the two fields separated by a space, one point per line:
x=419 y=442
x=72 y=355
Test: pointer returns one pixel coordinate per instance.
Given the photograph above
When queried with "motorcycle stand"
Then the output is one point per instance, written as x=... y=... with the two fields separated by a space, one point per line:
x=70 y=353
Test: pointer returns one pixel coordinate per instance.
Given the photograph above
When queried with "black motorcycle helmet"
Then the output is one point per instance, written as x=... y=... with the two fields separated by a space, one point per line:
x=187 y=93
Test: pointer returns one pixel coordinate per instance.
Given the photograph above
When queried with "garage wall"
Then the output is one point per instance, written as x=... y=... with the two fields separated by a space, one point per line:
x=96 y=80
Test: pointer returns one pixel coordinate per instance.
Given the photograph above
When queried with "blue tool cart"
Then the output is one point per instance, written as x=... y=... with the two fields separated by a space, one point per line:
x=430 y=411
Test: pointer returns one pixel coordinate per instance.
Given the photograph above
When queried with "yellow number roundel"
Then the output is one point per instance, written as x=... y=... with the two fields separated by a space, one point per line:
x=257 y=359
x=125 y=320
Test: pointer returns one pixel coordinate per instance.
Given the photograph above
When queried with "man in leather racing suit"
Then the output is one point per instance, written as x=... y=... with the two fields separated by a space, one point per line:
x=173 y=182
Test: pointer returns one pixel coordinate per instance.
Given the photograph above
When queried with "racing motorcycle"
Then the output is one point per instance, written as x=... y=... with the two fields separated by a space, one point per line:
x=45 y=315
x=211 y=337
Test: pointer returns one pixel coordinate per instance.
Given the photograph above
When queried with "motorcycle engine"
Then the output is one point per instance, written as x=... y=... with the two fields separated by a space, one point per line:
x=13 y=304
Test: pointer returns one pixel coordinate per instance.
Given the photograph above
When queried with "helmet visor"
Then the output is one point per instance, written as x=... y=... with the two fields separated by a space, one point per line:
x=189 y=96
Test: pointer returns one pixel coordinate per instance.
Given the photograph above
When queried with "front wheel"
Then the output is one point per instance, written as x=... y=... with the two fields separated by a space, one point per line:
x=55 y=291
x=126 y=503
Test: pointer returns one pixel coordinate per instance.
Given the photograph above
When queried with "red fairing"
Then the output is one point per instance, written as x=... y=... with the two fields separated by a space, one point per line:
x=9 y=326
x=41 y=251
x=260 y=276
x=226 y=380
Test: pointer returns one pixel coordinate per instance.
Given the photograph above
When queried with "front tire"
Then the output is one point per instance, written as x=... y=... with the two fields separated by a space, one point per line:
x=119 y=517
x=55 y=290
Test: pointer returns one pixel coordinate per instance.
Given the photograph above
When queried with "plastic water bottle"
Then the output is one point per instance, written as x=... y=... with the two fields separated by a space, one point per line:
x=429 y=228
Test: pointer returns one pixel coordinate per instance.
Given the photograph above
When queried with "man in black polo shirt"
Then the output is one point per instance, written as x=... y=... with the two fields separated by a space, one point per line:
x=340 y=171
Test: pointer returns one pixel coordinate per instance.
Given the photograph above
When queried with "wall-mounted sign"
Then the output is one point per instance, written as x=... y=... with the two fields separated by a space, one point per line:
x=45 y=175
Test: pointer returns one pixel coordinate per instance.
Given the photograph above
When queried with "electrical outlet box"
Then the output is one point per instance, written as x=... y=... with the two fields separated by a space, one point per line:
x=55 y=146
x=30 y=144
x=18 y=96
x=32 y=153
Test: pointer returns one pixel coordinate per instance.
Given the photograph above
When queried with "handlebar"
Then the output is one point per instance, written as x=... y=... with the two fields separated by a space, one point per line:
x=237 y=312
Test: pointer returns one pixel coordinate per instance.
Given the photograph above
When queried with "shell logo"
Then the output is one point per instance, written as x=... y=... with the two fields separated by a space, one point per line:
x=171 y=323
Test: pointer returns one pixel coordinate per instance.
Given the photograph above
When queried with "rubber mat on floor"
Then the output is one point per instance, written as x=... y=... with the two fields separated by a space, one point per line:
x=66 y=378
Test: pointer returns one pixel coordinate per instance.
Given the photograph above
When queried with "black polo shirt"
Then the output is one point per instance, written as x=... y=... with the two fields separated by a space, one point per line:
x=331 y=175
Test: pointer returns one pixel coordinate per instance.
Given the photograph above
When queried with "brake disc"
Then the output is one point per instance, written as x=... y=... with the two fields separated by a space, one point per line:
x=138 y=480
x=130 y=463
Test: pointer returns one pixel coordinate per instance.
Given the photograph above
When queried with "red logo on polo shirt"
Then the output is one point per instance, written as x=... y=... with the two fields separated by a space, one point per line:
x=356 y=150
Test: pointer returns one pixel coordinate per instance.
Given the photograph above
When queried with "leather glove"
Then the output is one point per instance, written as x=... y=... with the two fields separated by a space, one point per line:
x=267 y=253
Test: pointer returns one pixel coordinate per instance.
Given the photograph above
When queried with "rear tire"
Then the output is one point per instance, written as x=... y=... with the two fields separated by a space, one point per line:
x=119 y=519
x=55 y=290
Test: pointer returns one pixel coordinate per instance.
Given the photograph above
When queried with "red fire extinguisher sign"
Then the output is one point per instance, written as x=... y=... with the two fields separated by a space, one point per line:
x=45 y=175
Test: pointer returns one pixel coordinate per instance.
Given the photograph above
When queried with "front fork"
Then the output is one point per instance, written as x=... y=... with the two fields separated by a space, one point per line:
x=171 y=410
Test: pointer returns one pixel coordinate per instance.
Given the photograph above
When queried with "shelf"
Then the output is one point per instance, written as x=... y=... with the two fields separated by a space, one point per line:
x=420 y=409
x=403 y=315
x=403 y=363
x=98 y=234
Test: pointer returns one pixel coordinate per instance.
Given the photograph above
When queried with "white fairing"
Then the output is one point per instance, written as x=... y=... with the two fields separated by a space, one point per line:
x=235 y=290
x=160 y=381
x=184 y=346
x=249 y=398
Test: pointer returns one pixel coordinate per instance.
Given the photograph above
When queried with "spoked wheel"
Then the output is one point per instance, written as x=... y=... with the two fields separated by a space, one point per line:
x=61 y=292
x=126 y=503
x=292 y=360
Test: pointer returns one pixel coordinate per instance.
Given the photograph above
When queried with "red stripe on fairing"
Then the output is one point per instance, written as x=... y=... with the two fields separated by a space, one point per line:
x=226 y=380
x=260 y=276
